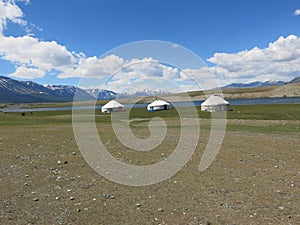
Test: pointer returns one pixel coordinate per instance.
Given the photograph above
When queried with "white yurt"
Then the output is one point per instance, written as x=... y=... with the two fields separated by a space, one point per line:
x=215 y=103
x=158 y=105
x=112 y=106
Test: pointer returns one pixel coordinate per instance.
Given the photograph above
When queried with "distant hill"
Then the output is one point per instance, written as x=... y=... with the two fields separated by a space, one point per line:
x=295 y=80
x=254 y=84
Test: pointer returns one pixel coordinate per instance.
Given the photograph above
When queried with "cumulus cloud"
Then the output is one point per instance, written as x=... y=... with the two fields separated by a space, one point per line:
x=147 y=71
x=27 y=52
x=136 y=73
x=9 y=11
x=133 y=74
x=93 y=67
x=30 y=52
x=297 y=12
x=147 y=68
x=30 y=73
x=280 y=60
x=34 y=58
x=204 y=77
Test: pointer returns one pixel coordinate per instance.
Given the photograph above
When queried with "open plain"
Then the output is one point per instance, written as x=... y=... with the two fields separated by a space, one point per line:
x=255 y=178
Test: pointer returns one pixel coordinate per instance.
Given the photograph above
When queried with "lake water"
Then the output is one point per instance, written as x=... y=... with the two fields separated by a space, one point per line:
x=254 y=101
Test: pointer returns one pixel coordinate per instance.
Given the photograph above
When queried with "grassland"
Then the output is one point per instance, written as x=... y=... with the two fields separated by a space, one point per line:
x=254 y=179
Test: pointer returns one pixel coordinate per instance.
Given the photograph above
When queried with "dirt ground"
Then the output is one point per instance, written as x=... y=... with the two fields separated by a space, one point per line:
x=255 y=179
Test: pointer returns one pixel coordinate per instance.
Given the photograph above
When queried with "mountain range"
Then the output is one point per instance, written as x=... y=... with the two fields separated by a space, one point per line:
x=254 y=84
x=14 y=91
x=102 y=94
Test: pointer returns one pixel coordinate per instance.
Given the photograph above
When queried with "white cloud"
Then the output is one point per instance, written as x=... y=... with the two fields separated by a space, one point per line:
x=195 y=74
x=146 y=71
x=25 y=1
x=93 y=67
x=204 y=78
x=280 y=60
x=187 y=88
x=10 y=11
x=148 y=68
x=27 y=52
x=30 y=52
x=30 y=73
x=137 y=73
x=297 y=12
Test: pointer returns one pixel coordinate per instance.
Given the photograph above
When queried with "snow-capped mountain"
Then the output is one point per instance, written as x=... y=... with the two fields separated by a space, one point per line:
x=254 y=84
x=67 y=91
x=102 y=94
x=13 y=91
x=143 y=93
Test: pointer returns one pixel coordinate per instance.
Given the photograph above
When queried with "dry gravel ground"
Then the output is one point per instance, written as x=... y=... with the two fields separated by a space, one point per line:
x=255 y=179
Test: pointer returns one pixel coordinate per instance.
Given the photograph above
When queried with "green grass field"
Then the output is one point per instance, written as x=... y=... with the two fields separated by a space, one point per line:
x=288 y=112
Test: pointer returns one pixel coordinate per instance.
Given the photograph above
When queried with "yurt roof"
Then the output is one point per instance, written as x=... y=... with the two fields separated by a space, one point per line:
x=159 y=103
x=112 y=104
x=215 y=100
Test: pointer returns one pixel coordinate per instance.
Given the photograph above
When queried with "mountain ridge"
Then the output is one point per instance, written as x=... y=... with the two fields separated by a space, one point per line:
x=254 y=84
x=102 y=94
x=295 y=80
x=14 y=91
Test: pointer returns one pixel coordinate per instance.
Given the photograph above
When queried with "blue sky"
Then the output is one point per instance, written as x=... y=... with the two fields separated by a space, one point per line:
x=240 y=41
